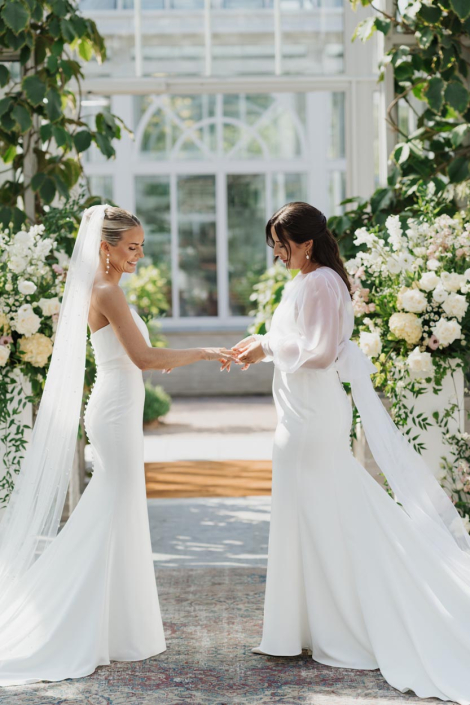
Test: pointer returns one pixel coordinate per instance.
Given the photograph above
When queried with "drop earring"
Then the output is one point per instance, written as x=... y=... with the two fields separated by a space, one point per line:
x=307 y=255
x=107 y=264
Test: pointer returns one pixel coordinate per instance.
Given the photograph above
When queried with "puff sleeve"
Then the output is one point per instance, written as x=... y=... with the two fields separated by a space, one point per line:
x=314 y=339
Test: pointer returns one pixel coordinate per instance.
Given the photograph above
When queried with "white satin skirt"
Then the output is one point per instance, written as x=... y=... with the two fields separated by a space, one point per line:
x=91 y=597
x=348 y=576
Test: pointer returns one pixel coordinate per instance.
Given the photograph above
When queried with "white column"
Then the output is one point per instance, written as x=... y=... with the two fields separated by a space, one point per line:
x=207 y=37
x=318 y=124
x=138 y=37
x=277 y=38
x=123 y=173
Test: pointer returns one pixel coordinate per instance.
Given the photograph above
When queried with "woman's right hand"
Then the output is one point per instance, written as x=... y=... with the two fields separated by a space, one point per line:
x=219 y=354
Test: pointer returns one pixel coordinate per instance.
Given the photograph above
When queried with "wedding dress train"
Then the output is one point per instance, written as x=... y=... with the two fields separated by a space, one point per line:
x=351 y=574
x=91 y=597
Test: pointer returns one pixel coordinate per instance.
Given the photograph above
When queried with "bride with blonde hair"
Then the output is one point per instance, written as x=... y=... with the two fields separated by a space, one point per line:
x=86 y=596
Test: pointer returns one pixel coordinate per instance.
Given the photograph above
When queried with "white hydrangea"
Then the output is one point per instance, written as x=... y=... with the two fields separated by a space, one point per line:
x=27 y=322
x=455 y=305
x=446 y=331
x=420 y=362
x=43 y=247
x=26 y=287
x=24 y=239
x=352 y=265
x=452 y=281
x=429 y=281
x=49 y=306
x=406 y=326
x=393 y=265
x=370 y=343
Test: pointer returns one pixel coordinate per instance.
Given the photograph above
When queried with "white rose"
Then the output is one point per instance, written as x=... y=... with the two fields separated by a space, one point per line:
x=433 y=264
x=23 y=238
x=62 y=258
x=455 y=305
x=4 y=355
x=17 y=264
x=440 y=294
x=414 y=300
x=446 y=331
x=27 y=322
x=393 y=265
x=370 y=343
x=452 y=281
x=49 y=306
x=419 y=361
x=26 y=287
x=429 y=281
x=467 y=274
x=37 y=349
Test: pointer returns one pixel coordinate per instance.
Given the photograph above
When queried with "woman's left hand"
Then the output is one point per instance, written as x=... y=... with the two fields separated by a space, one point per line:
x=250 y=353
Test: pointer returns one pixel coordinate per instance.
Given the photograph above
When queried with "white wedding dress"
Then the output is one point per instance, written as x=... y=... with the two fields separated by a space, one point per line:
x=350 y=575
x=91 y=597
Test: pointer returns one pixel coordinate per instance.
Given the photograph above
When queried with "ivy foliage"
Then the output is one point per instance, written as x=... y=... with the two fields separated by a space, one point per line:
x=430 y=71
x=40 y=106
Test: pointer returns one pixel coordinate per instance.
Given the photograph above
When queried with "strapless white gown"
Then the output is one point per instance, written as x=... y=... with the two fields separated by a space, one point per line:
x=91 y=597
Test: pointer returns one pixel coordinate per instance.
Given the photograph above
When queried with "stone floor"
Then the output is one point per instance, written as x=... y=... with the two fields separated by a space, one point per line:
x=210 y=558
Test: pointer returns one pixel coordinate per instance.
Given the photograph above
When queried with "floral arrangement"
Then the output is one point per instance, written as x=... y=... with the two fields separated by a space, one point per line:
x=33 y=267
x=411 y=294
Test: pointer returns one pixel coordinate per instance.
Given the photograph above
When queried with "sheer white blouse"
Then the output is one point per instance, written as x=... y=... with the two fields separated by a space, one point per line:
x=314 y=317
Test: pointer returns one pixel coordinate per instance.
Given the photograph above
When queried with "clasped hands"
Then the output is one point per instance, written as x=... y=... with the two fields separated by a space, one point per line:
x=247 y=352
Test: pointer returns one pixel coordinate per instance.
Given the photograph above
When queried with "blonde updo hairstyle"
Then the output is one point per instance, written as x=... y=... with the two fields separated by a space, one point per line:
x=116 y=222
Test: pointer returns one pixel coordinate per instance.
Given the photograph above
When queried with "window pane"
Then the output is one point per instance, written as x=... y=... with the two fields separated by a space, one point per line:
x=288 y=188
x=247 y=246
x=152 y=197
x=90 y=107
x=312 y=37
x=197 y=262
x=337 y=191
x=337 y=144
x=102 y=186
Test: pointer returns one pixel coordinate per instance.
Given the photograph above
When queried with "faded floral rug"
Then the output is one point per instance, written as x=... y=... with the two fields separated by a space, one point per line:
x=212 y=619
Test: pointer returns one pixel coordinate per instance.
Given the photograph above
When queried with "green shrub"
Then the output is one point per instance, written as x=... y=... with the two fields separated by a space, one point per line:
x=157 y=402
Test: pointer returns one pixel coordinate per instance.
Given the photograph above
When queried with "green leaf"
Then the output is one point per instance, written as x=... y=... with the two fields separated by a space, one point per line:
x=37 y=12
x=15 y=15
x=51 y=63
x=34 y=89
x=430 y=14
x=424 y=37
x=82 y=140
x=22 y=117
x=458 y=170
x=381 y=199
x=457 y=96
x=37 y=181
x=85 y=49
x=401 y=152
x=461 y=8
x=4 y=75
x=60 y=135
x=104 y=145
x=459 y=133
x=54 y=105
x=57 y=48
x=54 y=29
x=59 y=8
x=79 y=24
x=25 y=55
x=383 y=25
x=365 y=29
x=61 y=187
x=9 y=154
x=47 y=190
x=434 y=93
x=67 y=30
x=404 y=71
x=45 y=131
x=7 y=122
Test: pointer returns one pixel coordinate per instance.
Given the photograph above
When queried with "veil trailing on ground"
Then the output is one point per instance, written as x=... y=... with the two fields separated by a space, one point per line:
x=410 y=478
x=31 y=519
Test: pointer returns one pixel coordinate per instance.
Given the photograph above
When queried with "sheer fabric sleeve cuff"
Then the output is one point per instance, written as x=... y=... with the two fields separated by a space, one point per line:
x=264 y=340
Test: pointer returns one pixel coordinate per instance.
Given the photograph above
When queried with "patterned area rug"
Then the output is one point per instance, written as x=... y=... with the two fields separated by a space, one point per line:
x=212 y=619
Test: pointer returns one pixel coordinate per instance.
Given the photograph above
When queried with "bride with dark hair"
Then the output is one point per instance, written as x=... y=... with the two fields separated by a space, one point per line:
x=354 y=577
x=77 y=599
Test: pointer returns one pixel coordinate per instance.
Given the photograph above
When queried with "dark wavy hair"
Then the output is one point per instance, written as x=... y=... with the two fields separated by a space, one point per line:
x=299 y=222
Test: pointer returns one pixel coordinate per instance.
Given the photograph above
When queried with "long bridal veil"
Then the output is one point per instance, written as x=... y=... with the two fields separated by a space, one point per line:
x=31 y=519
x=410 y=478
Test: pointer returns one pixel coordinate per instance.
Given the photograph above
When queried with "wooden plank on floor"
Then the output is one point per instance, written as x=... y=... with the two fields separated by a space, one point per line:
x=208 y=478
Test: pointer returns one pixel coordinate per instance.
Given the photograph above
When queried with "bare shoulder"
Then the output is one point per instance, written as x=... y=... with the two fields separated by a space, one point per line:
x=106 y=292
